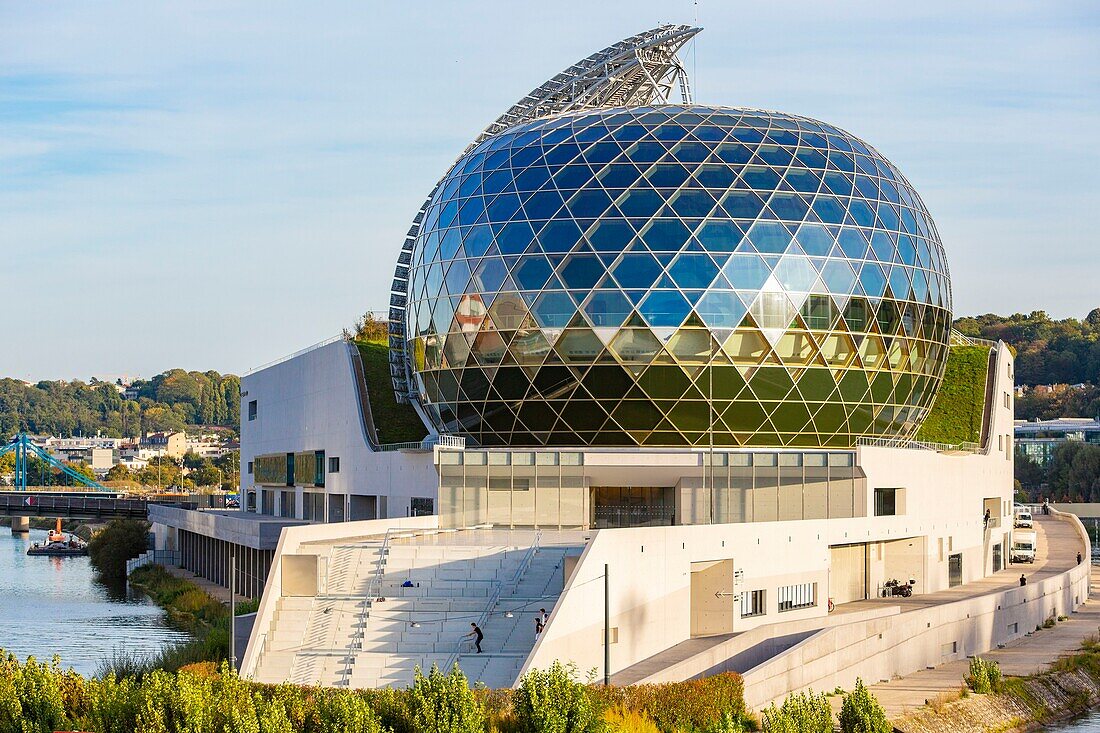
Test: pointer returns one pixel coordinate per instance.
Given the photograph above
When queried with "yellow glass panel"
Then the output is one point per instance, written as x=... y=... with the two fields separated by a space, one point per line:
x=746 y=346
x=795 y=348
x=692 y=345
x=838 y=349
x=871 y=351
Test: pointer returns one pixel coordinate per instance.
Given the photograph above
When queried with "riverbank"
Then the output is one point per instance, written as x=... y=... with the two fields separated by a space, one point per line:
x=1070 y=687
x=83 y=530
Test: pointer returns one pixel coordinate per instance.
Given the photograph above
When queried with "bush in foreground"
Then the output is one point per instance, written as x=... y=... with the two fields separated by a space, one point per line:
x=861 y=713
x=443 y=703
x=553 y=701
x=801 y=712
x=984 y=676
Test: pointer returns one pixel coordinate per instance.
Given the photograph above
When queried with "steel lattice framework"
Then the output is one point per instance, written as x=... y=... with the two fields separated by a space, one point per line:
x=641 y=70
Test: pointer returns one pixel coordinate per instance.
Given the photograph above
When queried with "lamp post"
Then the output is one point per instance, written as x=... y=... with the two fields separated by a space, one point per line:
x=606 y=627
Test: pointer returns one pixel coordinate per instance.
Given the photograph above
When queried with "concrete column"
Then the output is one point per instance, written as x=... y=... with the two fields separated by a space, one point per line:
x=20 y=524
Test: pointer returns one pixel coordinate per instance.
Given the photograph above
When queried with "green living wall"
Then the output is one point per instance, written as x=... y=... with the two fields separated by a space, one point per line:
x=395 y=423
x=956 y=415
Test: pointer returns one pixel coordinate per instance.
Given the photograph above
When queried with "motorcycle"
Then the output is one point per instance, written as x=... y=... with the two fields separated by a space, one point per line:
x=896 y=588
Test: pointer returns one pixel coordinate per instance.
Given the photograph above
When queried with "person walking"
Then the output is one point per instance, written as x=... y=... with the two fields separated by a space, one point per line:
x=545 y=617
x=477 y=635
x=538 y=628
x=1078 y=558
x=1023 y=580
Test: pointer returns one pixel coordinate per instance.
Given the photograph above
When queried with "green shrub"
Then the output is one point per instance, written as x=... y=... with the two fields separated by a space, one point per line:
x=443 y=703
x=984 y=676
x=801 y=712
x=861 y=713
x=553 y=701
x=119 y=541
x=956 y=414
x=115 y=705
x=343 y=710
x=695 y=705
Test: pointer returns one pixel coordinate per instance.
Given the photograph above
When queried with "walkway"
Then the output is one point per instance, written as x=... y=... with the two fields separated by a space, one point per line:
x=1024 y=656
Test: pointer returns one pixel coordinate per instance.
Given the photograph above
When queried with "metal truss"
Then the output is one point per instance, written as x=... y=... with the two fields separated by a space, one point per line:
x=637 y=71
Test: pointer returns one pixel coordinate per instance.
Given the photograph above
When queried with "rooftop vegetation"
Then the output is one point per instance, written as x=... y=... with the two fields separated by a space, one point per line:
x=395 y=423
x=956 y=415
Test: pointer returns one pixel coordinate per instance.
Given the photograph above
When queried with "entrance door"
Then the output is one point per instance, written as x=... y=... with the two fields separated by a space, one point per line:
x=997 y=561
x=712 y=597
x=632 y=506
x=954 y=570
x=847 y=573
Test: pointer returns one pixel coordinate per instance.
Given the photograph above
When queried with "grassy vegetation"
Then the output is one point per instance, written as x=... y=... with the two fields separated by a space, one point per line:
x=189 y=609
x=38 y=698
x=956 y=415
x=394 y=422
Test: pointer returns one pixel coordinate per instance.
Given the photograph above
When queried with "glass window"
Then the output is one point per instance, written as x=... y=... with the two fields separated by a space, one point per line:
x=252 y=410
x=752 y=604
x=792 y=597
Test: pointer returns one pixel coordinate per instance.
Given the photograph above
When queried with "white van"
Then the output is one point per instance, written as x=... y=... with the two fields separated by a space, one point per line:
x=1023 y=518
x=1023 y=546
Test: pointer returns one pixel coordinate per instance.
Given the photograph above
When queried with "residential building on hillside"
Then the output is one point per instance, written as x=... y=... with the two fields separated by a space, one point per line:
x=1039 y=439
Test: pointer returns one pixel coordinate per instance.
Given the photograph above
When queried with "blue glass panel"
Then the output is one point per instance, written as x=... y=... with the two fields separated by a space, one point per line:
x=838 y=277
x=469 y=186
x=692 y=203
x=693 y=271
x=499 y=181
x=611 y=235
x=503 y=207
x=533 y=178
x=899 y=282
x=582 y=272
x=525 y=156
x=721 y=309
x=743 y=204
x=670 y=132
x=747 y=135
x=665 y=235
x=532 y=273
x=769 y=237
x=889 y=190
x=554 y=309
x=796 y=273
x=478 y=240
x=774 y=155
x=434 y=279
x=449 y=245
x=788 y=206
x=665 y=308
x=853 y=243
x=589 y=204
x=888 y=216
x=872 y=280
x=559 y=235
x=882 y=247
x=515 y=237
x=641 y=202
x=920 y=287
x=572 y=176
x=637 y=271
x=746 y=272
x=563 y=153
x=862 y=213
x=608 y=308
x=667 y=175
x=906 y=249
x=719 y=236
x=757 y=177
x=715 y=176
x=828 y=209
x=838 y=183
x=628 y=133
x=602 y=153
x=811 y=158
x=783 y=137
x=620 y=175
x=470 y=211
x=734 y=153
x=646 y=152
x=490 y=274
x=543 y=205
x=840 y=161
x=688 y=152
x=803 y=180
x=457 y=276
x=814 y=240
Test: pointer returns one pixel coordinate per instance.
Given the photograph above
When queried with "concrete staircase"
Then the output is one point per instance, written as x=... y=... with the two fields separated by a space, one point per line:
x=384 y=611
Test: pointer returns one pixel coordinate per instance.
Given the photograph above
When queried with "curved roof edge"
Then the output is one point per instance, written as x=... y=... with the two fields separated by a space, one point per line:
x=637 y=71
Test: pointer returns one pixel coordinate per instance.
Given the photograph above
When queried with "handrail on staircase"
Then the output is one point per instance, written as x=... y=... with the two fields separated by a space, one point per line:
x=483 y=618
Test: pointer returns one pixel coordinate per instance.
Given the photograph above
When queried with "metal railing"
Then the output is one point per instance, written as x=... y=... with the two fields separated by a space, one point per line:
x=299 y=352
x=494 y=599
x=450 y=442
x=908 y=444
x=153 y=557
x=960 y=338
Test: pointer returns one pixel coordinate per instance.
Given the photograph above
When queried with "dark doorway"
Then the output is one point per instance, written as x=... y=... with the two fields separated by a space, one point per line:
x=632 y=506
x=954 y=570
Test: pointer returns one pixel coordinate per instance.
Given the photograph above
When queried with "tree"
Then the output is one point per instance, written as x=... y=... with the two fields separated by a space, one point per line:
x=119 y=541
x=161 y=471
x=119 y=472
x=206 y=475
x=371 y=328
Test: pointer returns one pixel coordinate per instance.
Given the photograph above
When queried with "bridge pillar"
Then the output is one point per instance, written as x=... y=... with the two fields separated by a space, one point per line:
x=20 y=524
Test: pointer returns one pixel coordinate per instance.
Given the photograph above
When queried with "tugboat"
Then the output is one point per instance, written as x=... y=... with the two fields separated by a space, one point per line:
x=58 y=545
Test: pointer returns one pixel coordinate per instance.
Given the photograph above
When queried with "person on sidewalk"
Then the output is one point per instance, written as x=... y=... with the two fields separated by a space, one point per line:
x=1078 y=558
x=1023 y=580
x=538 y=628
x=545 y=617
x=477 y=636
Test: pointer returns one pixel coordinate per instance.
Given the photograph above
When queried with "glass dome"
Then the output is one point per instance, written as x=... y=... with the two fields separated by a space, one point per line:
x=669 y=276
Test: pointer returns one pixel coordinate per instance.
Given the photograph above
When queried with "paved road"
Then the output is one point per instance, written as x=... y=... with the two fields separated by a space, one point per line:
x=1033 y=653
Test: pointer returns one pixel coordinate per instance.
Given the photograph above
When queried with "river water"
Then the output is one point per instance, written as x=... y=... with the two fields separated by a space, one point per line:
x=54 y=605
x=1089 y=723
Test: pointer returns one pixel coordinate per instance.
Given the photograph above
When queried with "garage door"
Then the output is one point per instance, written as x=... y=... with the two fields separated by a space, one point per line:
x=847 y=573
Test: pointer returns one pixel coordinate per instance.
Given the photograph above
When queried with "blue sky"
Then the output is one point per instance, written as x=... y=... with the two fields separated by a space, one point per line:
x=214 y=184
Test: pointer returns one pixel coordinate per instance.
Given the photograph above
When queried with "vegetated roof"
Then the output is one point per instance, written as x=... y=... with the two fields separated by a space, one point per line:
x=395 y=423
x=956 y=414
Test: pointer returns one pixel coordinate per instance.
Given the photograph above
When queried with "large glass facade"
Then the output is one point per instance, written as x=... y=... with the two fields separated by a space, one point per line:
x=672 y=276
